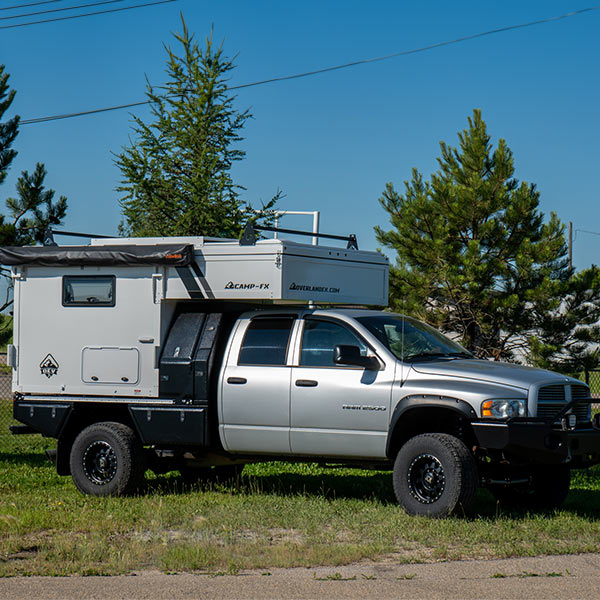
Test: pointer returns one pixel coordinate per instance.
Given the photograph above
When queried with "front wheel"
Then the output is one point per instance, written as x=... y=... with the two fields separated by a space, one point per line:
x=107 y=460
x=435 y=475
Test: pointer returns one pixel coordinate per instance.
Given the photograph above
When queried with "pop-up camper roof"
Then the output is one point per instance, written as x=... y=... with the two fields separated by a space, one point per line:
x=208 y=268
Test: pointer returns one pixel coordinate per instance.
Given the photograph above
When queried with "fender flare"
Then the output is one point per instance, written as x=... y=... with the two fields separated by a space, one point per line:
x=431 y=401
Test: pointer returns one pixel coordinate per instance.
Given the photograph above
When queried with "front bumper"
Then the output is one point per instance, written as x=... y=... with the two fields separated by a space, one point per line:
x=537 y=441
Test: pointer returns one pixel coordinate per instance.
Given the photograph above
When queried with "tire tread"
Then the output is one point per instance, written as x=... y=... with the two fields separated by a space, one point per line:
x=462 y=494
x=132 y=462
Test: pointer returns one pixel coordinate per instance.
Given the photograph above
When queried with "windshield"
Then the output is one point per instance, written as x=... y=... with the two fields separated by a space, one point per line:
x=409 y=339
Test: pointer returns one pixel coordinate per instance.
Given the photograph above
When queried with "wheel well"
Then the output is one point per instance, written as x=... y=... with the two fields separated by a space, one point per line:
x=81 y=417
x=429 y=420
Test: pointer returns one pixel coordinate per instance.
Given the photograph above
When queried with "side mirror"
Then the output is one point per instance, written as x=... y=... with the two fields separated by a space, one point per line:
x=350 y=355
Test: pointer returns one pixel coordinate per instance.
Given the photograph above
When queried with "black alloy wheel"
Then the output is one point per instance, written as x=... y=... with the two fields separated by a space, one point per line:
x=435 y=475
x=100 y=462
x=426 y=479
x=107 y=459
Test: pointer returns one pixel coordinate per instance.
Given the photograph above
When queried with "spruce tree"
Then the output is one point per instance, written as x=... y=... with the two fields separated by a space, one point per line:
x=475 y=256
x=177 y=170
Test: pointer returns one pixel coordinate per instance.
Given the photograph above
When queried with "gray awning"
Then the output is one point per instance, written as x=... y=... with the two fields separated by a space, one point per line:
x=126 y=255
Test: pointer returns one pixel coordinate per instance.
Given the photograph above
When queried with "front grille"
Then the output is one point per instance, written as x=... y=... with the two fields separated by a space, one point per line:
x=551 y=400
x=547 y=411
x=552 y=393
x=580 y=391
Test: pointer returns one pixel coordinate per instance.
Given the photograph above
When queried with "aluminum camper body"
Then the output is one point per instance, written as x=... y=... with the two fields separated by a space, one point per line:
x=91 y=320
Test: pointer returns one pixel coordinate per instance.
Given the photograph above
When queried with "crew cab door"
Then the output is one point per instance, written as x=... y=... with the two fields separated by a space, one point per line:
x=337 y=410
x=255 y=394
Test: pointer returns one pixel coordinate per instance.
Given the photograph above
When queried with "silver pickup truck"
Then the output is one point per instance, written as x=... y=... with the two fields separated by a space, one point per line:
x=336 y=386
x=200 y=355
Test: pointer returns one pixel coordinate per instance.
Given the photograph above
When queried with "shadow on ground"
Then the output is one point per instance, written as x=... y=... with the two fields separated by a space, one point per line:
x=376 y=486
x=580 y=502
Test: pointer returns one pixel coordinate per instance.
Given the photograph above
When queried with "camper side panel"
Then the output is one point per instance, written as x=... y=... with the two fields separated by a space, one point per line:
x=87 y=331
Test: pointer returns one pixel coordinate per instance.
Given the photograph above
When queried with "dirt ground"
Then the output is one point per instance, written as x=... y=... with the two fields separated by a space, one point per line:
x=564 y=577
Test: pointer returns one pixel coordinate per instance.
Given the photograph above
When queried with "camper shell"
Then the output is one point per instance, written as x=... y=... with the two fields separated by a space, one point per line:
x=92 y=320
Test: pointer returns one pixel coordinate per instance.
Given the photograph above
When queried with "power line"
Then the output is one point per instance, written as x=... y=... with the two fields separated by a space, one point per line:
x=55 y=10
x=328 y=69
x=29 y=4
x=99 y=12
x=83 y=113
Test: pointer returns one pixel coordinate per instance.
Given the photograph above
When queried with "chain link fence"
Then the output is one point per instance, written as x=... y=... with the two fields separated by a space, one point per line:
x=592 y=378
x=6 y=419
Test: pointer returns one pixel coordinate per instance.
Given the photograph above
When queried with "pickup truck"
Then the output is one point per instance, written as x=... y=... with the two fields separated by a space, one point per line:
x=249 y=382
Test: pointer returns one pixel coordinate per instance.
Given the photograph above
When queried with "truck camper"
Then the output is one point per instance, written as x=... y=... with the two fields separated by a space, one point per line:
x=203 y=354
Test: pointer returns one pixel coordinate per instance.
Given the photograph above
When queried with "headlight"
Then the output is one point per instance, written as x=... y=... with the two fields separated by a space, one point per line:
x=503 y=408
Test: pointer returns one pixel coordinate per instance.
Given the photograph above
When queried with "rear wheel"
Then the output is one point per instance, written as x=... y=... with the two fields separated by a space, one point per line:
x=435 y=475
x=547 y=489
x=107 y=460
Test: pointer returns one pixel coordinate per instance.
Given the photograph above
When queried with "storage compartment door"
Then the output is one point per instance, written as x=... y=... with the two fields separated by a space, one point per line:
x=102 y=364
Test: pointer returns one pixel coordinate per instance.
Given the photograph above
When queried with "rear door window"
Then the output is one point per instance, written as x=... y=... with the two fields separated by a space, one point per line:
x=266 y=341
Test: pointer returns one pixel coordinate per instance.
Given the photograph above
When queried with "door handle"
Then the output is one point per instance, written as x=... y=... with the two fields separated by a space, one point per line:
x=306 y=383
x=237 y=380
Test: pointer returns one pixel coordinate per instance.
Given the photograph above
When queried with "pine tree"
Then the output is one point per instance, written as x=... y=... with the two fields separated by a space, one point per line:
x=567 y=339
x=8 y=129
x=177 y=173
x=32 y=210
x=475 y=256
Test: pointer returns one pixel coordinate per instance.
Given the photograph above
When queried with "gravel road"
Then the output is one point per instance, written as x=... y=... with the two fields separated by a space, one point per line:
x=565 y=577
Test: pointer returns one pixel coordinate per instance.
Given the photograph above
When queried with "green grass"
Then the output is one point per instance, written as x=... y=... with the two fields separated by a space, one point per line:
x=277 y=515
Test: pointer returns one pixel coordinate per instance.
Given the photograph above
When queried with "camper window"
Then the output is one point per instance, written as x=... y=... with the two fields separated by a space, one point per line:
x=88 y=290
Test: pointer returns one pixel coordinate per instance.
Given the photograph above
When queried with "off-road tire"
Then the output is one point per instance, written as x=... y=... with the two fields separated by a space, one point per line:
x=547 y=490
x=107 y=459
x=435 y=475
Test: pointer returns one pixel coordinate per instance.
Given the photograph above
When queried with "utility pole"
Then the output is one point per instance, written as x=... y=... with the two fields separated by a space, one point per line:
x=570 y=244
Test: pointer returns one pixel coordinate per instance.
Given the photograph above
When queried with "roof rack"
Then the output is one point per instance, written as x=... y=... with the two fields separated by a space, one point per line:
x=50 y=233
x=249 y=236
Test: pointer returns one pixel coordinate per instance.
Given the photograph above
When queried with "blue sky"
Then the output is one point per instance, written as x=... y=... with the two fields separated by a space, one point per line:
x=329 y=142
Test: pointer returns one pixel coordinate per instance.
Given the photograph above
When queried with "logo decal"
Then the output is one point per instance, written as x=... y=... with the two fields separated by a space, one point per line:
x=246 y=286
x=314 y=288
x=363 y=407
x=49 y=366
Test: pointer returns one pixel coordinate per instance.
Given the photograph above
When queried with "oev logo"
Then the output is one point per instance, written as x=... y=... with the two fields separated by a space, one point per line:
x=49 y=366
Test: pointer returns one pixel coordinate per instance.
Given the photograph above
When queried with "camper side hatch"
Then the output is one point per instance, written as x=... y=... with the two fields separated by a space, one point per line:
x=101 y=364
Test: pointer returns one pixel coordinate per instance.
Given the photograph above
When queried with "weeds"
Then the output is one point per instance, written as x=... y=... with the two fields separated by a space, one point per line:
x=334 y=577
